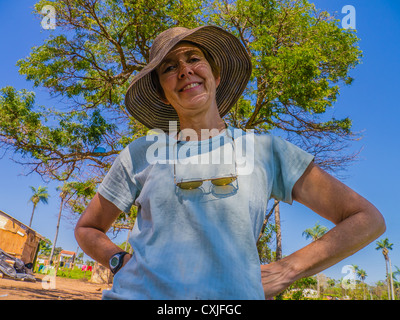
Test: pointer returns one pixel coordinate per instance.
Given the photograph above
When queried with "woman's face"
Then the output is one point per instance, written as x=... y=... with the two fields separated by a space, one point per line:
x=187 y=80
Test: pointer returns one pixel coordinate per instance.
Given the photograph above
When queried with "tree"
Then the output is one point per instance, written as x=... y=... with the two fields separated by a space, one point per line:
x=300 y=55
x=380 y=289
x=385 y=246
x=79 y=258
x=265 y=253
x=65 y=190
x=301 y=58
x=278 y=231
x=315 y=233
x=265 y=237
x=44 y=247
x=362 y=274
x=297 y=289
x=39 y=195
x=395 y=282
x=89 y=64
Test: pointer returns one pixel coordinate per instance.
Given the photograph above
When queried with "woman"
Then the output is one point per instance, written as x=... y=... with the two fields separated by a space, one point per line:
x=197 y=225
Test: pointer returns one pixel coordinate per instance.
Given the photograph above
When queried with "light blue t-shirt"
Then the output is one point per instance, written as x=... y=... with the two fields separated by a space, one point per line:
x=200 y=243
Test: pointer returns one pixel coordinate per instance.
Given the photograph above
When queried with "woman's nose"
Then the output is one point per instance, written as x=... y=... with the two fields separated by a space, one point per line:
x=185 y=70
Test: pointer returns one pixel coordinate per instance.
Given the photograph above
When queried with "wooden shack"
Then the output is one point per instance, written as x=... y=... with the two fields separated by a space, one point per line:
x=17 y=239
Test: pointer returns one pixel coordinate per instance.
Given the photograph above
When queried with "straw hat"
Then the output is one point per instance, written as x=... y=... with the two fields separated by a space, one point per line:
x=142 y=100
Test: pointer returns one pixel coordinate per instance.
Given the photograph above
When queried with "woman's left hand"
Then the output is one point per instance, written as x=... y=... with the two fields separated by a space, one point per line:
x=275 y=278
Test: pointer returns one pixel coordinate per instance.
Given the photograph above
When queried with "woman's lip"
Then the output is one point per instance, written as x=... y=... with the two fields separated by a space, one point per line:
x=184 y=90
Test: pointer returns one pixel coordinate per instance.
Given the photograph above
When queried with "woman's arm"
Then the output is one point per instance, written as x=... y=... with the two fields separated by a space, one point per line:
x=90 y=231
x=357 y=222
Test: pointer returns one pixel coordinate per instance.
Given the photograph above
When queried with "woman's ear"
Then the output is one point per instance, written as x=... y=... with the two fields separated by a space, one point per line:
x=217 y=81
x=165 y=101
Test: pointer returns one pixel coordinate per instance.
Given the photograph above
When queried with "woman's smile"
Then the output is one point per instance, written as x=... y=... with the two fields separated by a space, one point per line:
x=191 y=86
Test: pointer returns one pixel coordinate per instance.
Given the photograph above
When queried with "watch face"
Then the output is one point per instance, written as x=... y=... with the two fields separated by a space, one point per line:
x=114 y=262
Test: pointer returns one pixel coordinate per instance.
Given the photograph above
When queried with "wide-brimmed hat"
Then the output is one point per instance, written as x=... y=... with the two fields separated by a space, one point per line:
x=142 y=99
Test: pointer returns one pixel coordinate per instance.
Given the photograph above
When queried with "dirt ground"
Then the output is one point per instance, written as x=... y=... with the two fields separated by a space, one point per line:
x=63 y=289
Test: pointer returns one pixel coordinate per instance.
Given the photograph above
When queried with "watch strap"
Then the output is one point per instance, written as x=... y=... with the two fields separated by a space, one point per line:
x=120 y=256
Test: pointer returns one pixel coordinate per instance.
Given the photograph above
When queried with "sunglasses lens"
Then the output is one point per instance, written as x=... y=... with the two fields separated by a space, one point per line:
x=190 y=184
x=223 y=181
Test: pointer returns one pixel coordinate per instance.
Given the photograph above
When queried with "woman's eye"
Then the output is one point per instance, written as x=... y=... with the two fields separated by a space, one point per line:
x=169 y=68
x=194 y=59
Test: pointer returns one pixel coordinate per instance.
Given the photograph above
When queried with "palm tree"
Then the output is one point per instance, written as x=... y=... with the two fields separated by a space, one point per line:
x=65 y=190
x=385 y=246
x=356 y=268
x=39 y=195
x=315 y=233
x=395 y=274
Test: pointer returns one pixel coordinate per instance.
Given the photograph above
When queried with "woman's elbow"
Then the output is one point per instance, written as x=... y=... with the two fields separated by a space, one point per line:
x=78 y=233
x=368 y=221
x=381 y=224
x=377 y=223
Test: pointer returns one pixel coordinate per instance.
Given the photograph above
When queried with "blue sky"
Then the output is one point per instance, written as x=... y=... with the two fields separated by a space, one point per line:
x=371 y=102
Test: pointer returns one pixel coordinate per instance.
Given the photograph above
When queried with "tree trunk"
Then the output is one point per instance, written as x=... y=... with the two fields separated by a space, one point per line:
x=391 y=277
x=278 y=232
x=58 y=226
x=266 y=220
x=364 y=286
x=33 y=211
x=387 y=278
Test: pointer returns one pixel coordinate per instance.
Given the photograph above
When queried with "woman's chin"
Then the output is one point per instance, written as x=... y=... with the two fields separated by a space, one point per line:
x=196 y=102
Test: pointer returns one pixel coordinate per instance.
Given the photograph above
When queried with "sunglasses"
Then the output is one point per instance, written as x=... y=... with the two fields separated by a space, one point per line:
x=217 y=181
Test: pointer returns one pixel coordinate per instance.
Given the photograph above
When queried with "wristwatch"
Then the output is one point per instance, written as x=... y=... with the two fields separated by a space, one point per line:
x=116 y=261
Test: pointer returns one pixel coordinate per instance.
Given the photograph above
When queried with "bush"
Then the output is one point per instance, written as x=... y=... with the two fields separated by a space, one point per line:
x=75 y=273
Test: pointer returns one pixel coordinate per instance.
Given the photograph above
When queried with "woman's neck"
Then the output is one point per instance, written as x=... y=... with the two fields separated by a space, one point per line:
x=201 y=126
x=200 y=129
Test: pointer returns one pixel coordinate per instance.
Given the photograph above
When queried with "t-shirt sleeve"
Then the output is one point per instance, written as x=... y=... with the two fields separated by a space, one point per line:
x=289 y=164
x=119 y=185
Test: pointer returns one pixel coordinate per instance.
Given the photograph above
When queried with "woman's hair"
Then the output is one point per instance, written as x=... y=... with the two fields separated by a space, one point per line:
x=214 y=68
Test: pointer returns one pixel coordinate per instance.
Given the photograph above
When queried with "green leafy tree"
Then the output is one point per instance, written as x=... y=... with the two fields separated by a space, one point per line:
x=264 y=245
x=80 y=193
x=56 y=252
x=79 y=258
x=39 y=195
x=301 y=58
x=45 y=247
x=297 y=289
